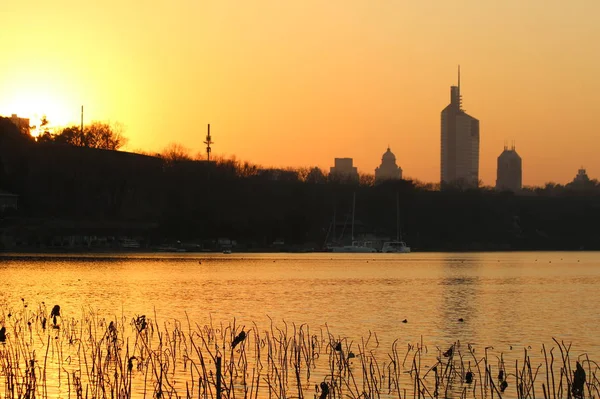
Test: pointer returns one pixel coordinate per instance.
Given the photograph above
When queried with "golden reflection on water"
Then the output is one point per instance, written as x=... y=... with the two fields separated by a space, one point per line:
x=508 y=301
x=505 y=298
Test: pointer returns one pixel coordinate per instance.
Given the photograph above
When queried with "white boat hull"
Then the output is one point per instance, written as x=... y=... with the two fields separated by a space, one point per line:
x=397 y=247
x=405 y=250
x=353 y=249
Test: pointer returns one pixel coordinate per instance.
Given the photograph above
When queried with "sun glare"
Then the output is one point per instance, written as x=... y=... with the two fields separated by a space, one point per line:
x=37 y=107
x=36 y=104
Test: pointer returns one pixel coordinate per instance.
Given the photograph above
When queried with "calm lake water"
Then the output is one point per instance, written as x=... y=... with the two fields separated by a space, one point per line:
x=506 y=299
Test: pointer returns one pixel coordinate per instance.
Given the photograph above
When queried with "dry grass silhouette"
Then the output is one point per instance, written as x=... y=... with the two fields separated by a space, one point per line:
x=136 y=357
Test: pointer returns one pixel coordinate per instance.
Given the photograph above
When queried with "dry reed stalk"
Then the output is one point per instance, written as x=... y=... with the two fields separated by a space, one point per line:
x=99 y=358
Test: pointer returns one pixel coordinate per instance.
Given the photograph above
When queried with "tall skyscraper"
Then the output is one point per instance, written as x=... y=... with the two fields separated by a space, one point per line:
x=509 y=172
x=460 y=143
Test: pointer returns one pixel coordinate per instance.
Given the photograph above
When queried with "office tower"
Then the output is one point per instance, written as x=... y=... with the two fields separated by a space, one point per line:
x=509 y=172
x=344 y=170
x=459 y=144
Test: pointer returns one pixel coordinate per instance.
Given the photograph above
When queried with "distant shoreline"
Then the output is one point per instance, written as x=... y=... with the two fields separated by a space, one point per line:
x=113 y=251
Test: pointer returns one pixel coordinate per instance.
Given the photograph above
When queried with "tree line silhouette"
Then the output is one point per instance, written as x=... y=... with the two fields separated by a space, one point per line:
x=71 y=177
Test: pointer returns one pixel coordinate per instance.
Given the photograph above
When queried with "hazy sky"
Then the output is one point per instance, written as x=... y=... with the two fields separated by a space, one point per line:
x=298 y=83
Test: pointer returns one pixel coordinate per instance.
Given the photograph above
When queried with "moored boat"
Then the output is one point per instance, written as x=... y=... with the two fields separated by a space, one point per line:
x=395 y=247
x=356 y=247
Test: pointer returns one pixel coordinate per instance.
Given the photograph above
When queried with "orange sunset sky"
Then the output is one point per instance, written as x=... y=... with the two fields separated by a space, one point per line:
x=299 y=82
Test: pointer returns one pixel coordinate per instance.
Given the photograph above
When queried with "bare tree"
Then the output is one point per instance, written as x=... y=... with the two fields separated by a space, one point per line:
x=366 y=179
x=71 y=135
x=105 y=136
x=97 y=135
x=176 y=152
x=315 y=175
x=44 y=133
x=247 y=169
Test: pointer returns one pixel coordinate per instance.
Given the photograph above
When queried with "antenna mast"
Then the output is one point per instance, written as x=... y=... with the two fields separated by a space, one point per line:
x=397 y=216
x=208 y=142
x=82 y=119
x=459 y=97
x=353 y=208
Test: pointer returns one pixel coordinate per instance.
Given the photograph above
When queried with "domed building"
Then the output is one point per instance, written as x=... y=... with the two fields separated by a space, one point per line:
x=581 y=176
x=388 y=168
x=581 y=181
x=510 y=170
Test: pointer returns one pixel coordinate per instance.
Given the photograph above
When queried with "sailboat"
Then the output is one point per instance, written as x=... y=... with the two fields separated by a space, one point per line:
x=357 y=246
x=397 y=246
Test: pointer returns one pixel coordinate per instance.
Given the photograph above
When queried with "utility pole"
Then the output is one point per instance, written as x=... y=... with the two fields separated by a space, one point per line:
x=82 y=121
x=208 y=142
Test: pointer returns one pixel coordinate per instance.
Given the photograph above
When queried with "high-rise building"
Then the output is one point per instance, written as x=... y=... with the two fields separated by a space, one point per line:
x=388 y=168
x=343 y=170
x=510 y=171
x=459 y=144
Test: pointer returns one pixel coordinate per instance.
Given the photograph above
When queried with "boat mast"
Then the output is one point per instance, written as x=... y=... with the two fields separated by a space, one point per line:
x=353 y=207
x=397 y=217
x=334 y=223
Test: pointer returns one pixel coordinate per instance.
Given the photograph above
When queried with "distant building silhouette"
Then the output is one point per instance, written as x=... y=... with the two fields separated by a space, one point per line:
x=343 y=170
x=459 y=143
x=388 y=168
x=510 y=171
x=581 y=177
x=21 y=123
x=581 y=181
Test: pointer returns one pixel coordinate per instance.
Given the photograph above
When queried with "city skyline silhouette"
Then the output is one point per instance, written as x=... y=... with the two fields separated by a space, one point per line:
x=297 y=84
